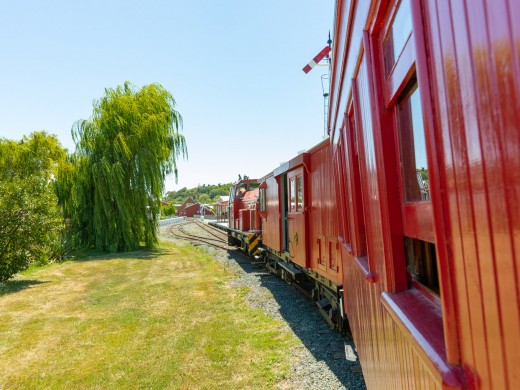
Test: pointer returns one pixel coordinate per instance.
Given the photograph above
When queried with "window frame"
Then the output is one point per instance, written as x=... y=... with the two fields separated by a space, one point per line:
x=300 y=200
x=292 y=194
x=415 y=58
x=340 y=172
x=356 y=221
x=261 y=199
x=417 y=217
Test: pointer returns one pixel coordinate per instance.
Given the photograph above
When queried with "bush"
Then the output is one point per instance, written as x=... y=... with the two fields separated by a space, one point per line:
x=168 y=210
x=31 y=225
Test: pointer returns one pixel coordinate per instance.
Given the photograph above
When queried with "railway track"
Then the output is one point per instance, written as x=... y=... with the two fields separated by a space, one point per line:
x=217 y=241
x=212 y=230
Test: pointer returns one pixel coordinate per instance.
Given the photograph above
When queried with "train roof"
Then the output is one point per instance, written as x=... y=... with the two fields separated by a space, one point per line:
x=297 y=160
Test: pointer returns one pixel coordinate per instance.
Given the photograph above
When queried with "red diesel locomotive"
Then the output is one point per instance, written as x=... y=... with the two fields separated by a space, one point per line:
x=406 y=223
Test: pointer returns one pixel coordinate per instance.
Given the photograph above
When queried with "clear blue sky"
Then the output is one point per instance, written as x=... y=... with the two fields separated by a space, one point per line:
x=234 y=67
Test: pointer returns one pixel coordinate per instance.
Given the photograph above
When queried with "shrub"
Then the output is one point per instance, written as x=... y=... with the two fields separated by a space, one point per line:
x=31 y=225
x=168 y=210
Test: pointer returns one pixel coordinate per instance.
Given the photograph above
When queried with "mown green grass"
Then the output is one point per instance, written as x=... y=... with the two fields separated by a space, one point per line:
x=162 y=319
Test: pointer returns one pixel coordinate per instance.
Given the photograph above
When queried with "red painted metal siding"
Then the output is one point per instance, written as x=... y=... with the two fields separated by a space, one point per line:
x=271 y=235
x=325 y=254
x=244 y=218
x=475 y=70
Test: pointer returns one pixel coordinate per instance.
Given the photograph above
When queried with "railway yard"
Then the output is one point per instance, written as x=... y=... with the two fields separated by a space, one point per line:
x=383 y=255
x=324 y=359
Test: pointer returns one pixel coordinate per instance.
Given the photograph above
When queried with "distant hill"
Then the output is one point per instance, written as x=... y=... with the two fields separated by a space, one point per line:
x=204 y=194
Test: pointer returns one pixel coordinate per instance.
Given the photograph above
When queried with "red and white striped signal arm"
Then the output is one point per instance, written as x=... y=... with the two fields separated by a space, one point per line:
x=321 y=55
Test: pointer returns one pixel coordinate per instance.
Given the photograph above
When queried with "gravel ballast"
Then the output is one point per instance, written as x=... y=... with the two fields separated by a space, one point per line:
x=325 y=359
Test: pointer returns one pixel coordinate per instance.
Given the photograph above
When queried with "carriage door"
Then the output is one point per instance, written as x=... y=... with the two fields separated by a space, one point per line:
x=296 y=216
x=284 y=210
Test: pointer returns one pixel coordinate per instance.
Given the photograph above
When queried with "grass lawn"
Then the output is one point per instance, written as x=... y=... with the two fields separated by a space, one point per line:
x=161 y=319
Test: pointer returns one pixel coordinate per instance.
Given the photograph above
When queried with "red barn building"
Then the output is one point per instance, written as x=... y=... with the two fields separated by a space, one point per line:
x=190 y=208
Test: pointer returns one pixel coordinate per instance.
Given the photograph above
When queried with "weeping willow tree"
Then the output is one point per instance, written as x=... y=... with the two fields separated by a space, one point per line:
x=123 y=154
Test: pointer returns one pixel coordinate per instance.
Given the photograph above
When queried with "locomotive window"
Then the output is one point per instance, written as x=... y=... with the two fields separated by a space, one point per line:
x=261 y=199
x=292 y=194
x=231 y=195
x=252 y=186
x=412 y=143
x=397 y=35
x=299 y=204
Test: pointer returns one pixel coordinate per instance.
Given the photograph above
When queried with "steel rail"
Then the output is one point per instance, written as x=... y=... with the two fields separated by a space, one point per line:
x=207 y=228
x=198 y=239
x=201 y=237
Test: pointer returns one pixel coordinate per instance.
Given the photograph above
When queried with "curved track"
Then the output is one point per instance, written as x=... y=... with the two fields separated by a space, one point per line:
x=212 y=230
x=179 y=232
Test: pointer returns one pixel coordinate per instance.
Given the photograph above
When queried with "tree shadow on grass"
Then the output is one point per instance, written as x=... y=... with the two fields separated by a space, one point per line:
x=12 y=286
x=142 y=253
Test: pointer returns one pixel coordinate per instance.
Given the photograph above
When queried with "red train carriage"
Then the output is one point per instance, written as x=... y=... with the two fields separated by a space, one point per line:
x=300 y=228
x=424 y=121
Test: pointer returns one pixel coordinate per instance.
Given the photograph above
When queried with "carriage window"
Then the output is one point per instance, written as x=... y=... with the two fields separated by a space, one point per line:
x=421 y=263
x=299 y=205
x=397 y=36
x=355 y=198
x=412 y=143
x=292 y=194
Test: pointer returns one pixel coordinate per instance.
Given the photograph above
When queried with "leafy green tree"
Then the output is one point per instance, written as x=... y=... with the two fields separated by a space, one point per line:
x=168 y=210
x=39 y=154
x=123 y=153
x=31 y=223
x=197 y=194
x=204 y=199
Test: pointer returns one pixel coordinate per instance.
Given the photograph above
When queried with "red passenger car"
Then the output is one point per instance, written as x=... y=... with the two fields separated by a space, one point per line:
x=424 y=122
x=300 y=228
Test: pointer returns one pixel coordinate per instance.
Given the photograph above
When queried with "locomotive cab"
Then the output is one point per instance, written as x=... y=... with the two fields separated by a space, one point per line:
x=244 y=220
x=243 y=196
